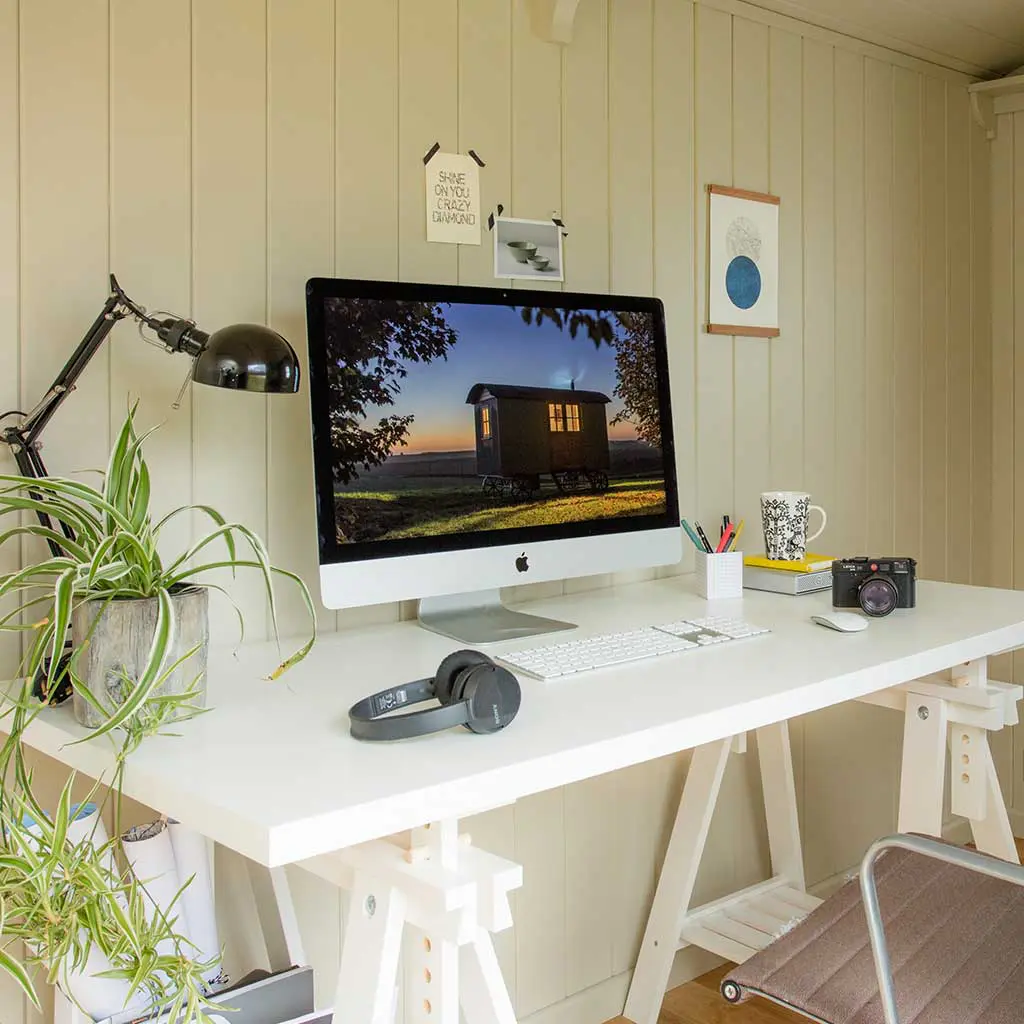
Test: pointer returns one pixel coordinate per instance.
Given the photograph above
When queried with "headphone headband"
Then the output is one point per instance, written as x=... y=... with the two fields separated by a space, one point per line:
x=470 y=689
x=367 y=723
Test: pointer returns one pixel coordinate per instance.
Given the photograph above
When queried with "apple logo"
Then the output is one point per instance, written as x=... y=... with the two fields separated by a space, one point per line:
x=522 y=565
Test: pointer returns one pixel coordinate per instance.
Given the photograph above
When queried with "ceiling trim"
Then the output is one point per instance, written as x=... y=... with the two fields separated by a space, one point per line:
x=838 y=33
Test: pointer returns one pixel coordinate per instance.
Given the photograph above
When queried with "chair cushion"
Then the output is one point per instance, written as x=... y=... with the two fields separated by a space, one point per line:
x=956 y=942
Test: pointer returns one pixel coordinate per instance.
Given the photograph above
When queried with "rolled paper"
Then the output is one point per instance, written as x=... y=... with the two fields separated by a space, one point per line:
x=192 y=859
x=99 y=997
x=150 y=855
x=86 y=824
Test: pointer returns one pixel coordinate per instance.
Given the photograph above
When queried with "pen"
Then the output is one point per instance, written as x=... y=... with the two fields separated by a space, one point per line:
x=736 y=535
x=723 y=544
x=704 y=540
x=689 y=532
x=725 y=526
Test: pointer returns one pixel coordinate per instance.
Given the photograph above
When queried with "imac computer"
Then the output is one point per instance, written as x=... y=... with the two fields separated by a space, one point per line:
x=468 y=439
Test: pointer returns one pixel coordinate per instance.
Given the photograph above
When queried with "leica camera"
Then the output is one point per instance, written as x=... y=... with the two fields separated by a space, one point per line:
x=877 y=586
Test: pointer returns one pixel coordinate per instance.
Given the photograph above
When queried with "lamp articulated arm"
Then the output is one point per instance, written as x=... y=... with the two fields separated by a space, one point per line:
x=243 y=357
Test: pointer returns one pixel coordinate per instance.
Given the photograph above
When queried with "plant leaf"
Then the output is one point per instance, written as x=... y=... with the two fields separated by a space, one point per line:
x=20 y=975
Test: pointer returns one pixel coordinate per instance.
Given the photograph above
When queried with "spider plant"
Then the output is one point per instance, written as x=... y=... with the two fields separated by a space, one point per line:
x=61 y=899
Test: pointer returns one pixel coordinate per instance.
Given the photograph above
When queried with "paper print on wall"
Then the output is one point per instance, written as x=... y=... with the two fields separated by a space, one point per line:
x=453 y=199
x=528 y=249
x=743 y=262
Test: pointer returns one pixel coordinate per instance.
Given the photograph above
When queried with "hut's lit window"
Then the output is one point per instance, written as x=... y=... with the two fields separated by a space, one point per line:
x=485 y=423
x=572 y=418
x=556 y=417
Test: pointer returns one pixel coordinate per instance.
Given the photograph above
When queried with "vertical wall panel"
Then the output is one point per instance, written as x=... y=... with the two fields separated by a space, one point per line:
x=713 y=131
x=428 y=91
x=676 y=248
x=485 y=99
x=787 y=351
x=536 y=125
x=630 y=128
x=849 y=508
x=959 y=331
x=301 y=245
x=981 y=349
x=878 y=163
x=586 y=151
x=751 y=442
x=229 y=142
x=907 y=318
x=819 y=275
x=540 y=908
x=1003 y=453
x=935 y=342
x=64 y=98
x=150 y=190
x=366 y=140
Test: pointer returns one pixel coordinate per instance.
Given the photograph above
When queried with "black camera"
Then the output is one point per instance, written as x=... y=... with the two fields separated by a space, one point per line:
x=877 y=586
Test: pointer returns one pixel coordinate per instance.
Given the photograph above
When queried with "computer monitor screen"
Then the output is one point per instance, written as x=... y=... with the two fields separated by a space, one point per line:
x=452 y=419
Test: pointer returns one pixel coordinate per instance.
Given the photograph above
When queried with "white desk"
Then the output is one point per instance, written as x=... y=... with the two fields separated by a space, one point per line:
x=273 y=774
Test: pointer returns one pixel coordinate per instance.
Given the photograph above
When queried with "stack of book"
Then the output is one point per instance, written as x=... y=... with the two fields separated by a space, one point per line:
x=807 y=576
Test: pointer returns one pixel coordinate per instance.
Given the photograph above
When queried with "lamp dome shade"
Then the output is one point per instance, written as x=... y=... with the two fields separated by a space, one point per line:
x=248 y=357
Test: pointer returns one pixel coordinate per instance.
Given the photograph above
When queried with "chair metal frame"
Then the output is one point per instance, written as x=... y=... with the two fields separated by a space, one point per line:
x=956 y=855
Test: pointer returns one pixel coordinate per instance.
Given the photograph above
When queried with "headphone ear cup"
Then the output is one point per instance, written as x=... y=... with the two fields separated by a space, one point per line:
x=493 y=695
x=447 y=674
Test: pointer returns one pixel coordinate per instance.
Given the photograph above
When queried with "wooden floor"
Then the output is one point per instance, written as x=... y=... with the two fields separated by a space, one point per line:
x=700 y=1002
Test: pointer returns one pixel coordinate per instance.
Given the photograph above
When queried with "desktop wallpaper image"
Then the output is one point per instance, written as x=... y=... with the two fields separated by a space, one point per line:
x=568 y=430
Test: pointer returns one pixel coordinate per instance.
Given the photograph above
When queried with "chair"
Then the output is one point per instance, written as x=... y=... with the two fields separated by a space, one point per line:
x=942 y=942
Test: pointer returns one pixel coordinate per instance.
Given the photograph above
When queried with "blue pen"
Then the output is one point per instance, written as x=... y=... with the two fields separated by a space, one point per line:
x=689 y=530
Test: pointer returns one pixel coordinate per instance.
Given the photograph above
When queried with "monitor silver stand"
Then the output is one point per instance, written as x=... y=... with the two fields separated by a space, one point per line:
x=481 y=618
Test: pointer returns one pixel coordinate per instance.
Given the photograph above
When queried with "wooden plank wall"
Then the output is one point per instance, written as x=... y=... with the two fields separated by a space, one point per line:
x=1005 y=201
x=217 y=154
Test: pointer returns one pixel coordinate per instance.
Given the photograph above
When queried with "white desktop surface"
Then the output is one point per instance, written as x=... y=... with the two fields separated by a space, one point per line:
x=272 y=772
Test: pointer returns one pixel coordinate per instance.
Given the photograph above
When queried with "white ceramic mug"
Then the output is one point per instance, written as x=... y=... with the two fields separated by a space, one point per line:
x=784 y=517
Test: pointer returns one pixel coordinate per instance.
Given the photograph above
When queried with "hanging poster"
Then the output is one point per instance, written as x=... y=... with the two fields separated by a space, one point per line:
x=453 y=199
x=743 y=262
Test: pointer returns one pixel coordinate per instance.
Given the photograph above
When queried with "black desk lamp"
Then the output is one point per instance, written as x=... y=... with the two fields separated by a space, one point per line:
x=244 y=357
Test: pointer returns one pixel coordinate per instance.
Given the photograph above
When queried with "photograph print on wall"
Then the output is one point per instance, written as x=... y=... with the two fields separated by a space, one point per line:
x=529 y=249
x=743 y=262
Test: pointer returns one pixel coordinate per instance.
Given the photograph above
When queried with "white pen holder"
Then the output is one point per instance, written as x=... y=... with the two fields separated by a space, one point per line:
x=720 y=576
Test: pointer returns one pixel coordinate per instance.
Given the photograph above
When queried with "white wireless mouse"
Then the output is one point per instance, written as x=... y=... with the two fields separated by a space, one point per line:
x=845 y=622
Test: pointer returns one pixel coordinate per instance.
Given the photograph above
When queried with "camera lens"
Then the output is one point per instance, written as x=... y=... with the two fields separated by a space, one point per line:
x=877 y=596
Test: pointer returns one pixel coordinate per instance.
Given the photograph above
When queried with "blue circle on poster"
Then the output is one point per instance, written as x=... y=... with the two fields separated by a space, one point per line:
x=743 y=282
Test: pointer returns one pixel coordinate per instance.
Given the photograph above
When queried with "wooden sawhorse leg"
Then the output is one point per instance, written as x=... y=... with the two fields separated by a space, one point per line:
x=952 y=717
x=444 y=898
x=738 y=925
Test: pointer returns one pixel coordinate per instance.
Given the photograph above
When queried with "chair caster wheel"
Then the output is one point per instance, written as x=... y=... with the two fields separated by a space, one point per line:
x=731 y=992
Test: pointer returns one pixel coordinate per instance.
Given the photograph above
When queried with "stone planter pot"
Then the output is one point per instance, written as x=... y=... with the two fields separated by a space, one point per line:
x=119 y=644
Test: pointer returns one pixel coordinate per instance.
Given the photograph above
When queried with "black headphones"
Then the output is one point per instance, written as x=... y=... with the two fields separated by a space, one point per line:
x=472 y=691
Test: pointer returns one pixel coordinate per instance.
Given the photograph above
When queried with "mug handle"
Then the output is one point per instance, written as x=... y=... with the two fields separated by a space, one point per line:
x=824 y=520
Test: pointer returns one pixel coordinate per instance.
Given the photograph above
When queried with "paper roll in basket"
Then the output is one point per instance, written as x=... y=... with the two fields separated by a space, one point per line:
x=192 y=859
x=150 y=855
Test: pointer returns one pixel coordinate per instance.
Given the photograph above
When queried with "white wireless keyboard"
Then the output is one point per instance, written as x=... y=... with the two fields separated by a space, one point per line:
x=555 y=661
